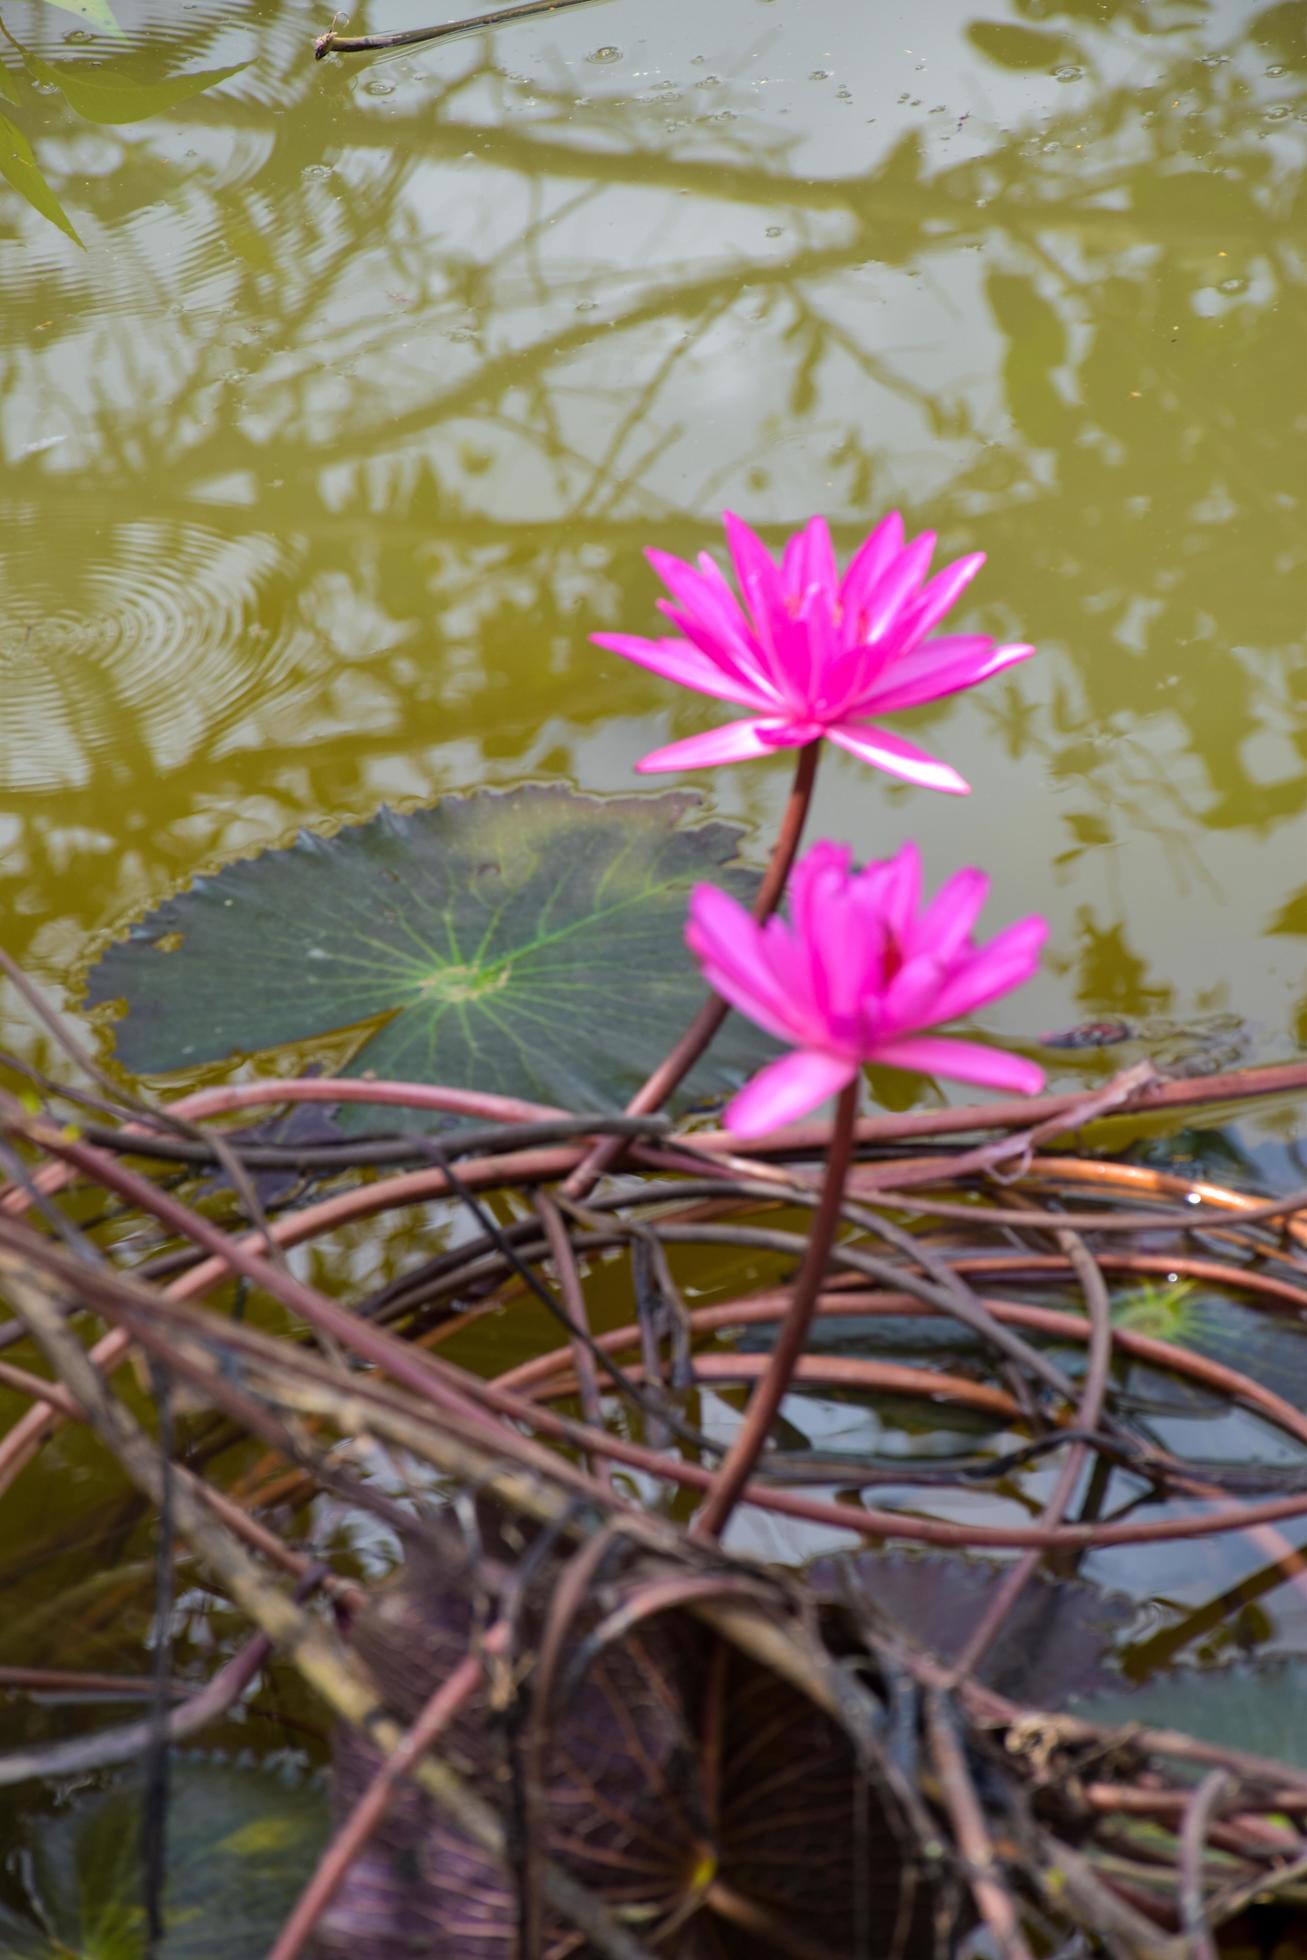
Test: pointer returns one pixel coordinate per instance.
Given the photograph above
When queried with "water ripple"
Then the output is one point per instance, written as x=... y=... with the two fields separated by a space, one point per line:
x=152 y=649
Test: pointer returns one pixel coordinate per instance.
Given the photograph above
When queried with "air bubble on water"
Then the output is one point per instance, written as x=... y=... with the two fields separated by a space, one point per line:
x=820 y=75
x=79 y=36
x=1068 y=74
x=1275 y=71
x=775 y=231
x=377 y=87
x=316 y=170
x=586 y=305
x=1233 y=285
x=604 y=54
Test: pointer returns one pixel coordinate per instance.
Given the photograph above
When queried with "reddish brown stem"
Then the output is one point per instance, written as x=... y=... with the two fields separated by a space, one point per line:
x=573 y=1295
x=1207 y=1799
x=989 y=1887
x=766 y=1400
x=674 y=1067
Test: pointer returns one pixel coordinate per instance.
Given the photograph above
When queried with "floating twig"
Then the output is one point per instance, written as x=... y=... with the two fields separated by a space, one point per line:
x=411 y=37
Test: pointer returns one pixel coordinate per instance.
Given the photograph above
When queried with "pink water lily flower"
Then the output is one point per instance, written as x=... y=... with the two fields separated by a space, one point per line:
x=856 y=976
x=809 y=653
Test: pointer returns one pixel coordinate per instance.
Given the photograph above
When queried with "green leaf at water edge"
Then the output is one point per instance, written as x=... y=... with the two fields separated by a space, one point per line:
x=18 y=165
x=98 y=12
x=528 y=942
x=101 y=93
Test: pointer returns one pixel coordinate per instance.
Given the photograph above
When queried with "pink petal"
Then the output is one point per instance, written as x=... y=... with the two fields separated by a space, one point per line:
x=817 y=880
x=963 y=1061
x=1006 y=962
x=736 y=658
x=809 y=561
x=729 y=945
x=899 y=758
x=790 y=963
x=704 y=595
x=945 y=926
x=940 y=667
x=901 y=892
x=797 y=648
x=678 y=661
x=911 y=997
x=760 y=581
x=899 y=583
x=786 y=1090
x=940 y=593
x=737 y=741
x=868 y=564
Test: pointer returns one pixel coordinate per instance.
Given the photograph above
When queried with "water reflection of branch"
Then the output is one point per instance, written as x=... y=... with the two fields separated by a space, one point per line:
x=370 y=477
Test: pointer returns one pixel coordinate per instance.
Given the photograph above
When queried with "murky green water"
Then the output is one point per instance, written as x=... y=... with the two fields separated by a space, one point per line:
x=351 y=420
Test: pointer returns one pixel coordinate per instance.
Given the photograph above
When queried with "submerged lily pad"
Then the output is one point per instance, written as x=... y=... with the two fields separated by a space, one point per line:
x=241 y=1842
x=1257 y=1706
x=1059 y=1641
x=528 y=942
x=1270 y=1348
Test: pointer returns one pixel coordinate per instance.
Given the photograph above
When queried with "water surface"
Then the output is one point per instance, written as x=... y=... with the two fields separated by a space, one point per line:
x=350 y=422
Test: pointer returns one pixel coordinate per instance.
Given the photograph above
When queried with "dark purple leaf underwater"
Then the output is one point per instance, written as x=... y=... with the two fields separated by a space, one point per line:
x=703 y=1798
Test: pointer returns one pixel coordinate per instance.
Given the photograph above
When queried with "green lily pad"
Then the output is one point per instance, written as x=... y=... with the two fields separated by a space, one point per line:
x=528 y=942
x=241 y=1843
x=1257 y=1706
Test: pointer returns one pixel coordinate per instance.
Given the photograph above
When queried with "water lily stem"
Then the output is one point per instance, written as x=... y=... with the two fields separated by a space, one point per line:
x=676 y=1065
x=749 y=1443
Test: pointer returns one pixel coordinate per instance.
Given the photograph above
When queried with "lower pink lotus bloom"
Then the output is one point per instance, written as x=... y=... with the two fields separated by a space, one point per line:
x=810 y=653
x=857 y=975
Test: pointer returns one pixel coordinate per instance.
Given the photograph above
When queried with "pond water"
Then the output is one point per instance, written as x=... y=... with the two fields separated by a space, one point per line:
x=372 y=378
x=350 y=422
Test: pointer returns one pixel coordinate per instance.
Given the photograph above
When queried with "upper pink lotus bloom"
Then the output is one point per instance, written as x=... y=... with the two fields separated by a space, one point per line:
x=810 y=653
x=856 y=976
